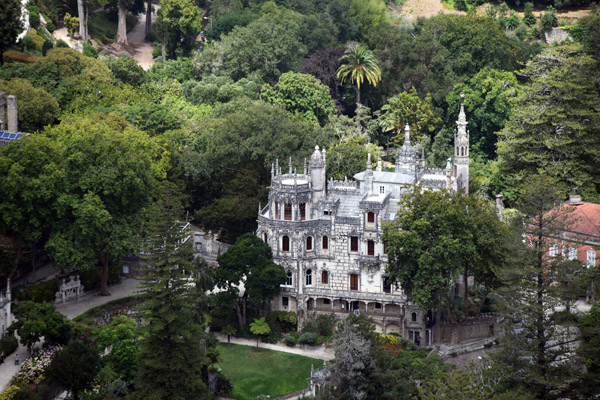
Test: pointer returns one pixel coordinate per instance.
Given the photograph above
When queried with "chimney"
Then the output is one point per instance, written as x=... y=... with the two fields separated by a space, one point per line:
x=2 y=112
x=499 y=206
x=12 y=112
x=574 y=198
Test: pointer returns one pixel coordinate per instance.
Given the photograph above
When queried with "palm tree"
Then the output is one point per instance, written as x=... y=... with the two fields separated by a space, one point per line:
x=259 y=327
x=359 y=64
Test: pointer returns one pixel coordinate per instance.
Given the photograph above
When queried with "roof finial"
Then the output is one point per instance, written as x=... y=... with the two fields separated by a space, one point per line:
x=290 y=165
x=407 y=133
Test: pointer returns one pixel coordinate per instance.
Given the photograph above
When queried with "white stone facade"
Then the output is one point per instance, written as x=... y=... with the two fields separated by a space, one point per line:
x=327 y=235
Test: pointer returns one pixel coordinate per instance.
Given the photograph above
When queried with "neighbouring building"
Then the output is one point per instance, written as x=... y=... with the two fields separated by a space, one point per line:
x=579 y=238
x=327 y=234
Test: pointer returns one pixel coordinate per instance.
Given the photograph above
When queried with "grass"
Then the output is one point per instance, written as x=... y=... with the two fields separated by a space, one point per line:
x=254 y=371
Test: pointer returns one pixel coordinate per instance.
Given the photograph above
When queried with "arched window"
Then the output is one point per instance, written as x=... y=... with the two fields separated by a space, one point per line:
x=370 y=247
x=287 y=212
x=289 y=279
x=285 y=243
x=265 y=237
x=325 y=277
x=308 y=277
x=302 y=208
x=371 y=217
x=309 y=243
x=413 y=317
x=325 y=243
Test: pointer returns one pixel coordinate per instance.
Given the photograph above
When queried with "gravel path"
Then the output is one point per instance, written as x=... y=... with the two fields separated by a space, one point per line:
x=137 y=39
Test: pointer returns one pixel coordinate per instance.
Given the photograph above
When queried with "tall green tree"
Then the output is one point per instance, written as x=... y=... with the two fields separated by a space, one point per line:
x=171 y=351
x=119 y=345
x=259 y=327
x=359 y=64
x=30 y=181
x=41 y=320
x=555 y=122
x=301 y=95
x=178 y=23
x=10 y=25
x=109 y=172
x=538 y=345
x=75 y=366
x=249 y=262
x=408 y=108
x=436 y=237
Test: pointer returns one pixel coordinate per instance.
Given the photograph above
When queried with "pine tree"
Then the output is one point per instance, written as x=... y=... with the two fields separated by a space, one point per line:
x=172 y=351
x=540 y=341
x=555 y=122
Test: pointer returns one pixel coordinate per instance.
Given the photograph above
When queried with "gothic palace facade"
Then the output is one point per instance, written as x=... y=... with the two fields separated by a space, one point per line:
x=327 y=235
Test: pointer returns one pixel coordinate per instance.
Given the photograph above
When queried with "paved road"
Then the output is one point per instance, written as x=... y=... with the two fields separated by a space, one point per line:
x=137 y=39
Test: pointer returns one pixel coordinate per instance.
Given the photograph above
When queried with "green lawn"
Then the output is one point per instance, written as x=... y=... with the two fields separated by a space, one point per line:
x=255 y=371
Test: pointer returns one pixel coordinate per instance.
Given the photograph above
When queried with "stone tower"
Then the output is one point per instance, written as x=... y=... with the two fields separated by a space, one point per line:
x=405 y=163
x=461 y=149
x=317 y=176
x=13 y=115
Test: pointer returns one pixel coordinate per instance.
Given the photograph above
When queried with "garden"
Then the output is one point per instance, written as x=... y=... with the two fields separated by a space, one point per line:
x=254 y=372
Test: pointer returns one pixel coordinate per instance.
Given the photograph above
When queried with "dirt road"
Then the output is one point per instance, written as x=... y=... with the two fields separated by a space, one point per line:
x=137 y=39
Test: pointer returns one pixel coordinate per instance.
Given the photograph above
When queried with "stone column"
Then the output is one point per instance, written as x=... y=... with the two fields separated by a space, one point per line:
x=2 y=113
x=13 y=125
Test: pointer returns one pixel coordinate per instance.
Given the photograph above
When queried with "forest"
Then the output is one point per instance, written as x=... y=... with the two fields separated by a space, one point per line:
x=117 y=154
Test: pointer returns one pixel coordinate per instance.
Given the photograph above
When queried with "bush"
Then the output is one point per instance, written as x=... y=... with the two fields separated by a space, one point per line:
x=290 y=341
x=42 y=292
x=90 y=50
x=157 y=51
x=50 y=26
x=47 y=46
x=548 y=19
x=127 y=70
x=61 y=43
x=28 y=44
x=34 y=19
x=152 y=36
x=308 y=338
x=8 y=345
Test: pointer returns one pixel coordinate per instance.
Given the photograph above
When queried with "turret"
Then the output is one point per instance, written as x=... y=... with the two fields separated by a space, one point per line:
x=317 y=176
x=405 y=163
x=368 y=186
x=461 y=148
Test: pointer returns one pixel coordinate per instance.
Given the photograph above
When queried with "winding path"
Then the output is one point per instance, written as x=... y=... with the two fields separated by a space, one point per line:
x=137 y=39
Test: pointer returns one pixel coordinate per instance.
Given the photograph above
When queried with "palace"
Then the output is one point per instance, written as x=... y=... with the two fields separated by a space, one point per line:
x=327 y=235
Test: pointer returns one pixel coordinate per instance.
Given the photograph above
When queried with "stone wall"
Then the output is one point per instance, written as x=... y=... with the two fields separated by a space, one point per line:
x=453 y=334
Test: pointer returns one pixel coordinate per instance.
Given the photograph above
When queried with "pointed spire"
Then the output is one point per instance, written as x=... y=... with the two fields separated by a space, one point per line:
x=259 y=207
x=290 y=165
x=379 y=166
x=272 y=170
x=369 y=167
x=407 y=134
x=276 y=166
x=461 y=115
x=305 y=166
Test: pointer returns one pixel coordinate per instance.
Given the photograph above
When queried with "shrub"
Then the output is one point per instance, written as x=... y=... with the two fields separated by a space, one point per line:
x=157 y=51
x=152 y=36
x=42 y=292
x=50 y=26
x=62 y=43
x=308 y=338
x=290 y=341
x=18 y=56
x=28 y=44
x=33 y=369
x=34 y=19
x=127 y=70
x=47 y=46
x=8 y=345
x=90 y=50
x=548 y=18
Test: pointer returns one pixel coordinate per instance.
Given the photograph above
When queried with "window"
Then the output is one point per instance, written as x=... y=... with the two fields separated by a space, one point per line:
x=354 y=243
x=385 y=248
x=378 y=306
x=553 y=250
x=572 y=253
x=325 y=242
x=381 y=189
x=387 y=286
x=371 y=217
x=285 y=301
x=413 y=317
x=308 y=277
x=325 y=277
x=309 y=243
x=285 y=243
x=276 y=210
x=289 y=278
x=265 y=237
x=302 y=211
x=591 y=258
x=287 y=213
x=326 y=301
x=370 y=247
x=353 y=281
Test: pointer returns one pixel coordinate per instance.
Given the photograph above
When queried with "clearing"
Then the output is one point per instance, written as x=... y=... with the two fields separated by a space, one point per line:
x=255 y=371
